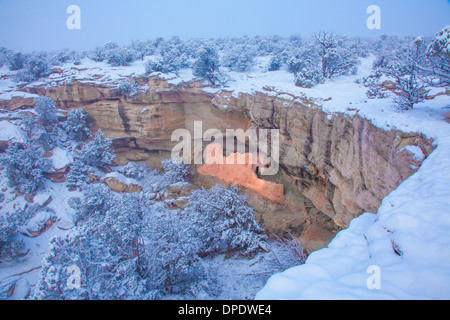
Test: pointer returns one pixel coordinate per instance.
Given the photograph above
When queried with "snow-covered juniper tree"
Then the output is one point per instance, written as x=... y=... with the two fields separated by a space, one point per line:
x=85 y=256
x=127 y=89
x=44 y=138
x=97 y=55
x=407 y=74
x=126 y=249
x=335 y=58
x=46 y=110
x=224 y=221
x=373 y=85
x=275 y=63
x=76 y=178
x=207 y=66
x=10 y=246
x=174 y=58
x=97 y=153
x=77 y=125
x=35 y=67
x=15 y=60
x=174 y=252
x=24 y=167
x=438 y=52
x=119 y=56
x=142 y=48
x=175 y=172
x=239 y=58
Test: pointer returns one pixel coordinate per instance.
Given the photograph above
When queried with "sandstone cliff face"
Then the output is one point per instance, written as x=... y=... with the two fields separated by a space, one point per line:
x=343 y=165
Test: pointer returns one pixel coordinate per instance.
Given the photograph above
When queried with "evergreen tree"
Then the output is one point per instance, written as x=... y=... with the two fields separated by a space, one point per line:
x=36 y=67
x=224 y=221
x=24 y=167
x=46 y=110
x=175 y=172
x=207 y=65
x=97 y=153
x=77 y=125
x=405 y=71
x=10 y=246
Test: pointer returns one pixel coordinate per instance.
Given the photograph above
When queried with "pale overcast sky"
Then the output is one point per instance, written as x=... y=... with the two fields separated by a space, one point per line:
x=29 y=25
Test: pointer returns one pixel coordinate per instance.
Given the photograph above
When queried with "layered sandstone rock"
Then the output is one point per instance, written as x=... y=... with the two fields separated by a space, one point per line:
x=342 y=164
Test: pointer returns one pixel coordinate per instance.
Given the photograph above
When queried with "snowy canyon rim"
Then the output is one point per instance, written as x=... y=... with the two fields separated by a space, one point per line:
x=333 y=168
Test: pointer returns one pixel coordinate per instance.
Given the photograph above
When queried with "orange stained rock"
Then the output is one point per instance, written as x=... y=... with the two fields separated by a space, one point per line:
x=241 y=173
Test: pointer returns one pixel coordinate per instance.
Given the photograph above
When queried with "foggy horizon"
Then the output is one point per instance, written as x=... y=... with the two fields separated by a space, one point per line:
x=41 y=25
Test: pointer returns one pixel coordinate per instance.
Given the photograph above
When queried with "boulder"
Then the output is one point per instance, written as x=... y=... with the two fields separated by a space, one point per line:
x=57 y=176
x=180 y=189
x=40 y=223
x=119 y=183
x=180 y=203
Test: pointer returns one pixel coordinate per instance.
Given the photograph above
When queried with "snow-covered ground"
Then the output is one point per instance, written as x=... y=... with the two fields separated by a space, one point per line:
x=402 y=252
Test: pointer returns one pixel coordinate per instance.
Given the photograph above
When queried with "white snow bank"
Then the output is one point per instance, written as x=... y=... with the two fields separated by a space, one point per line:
x=11 y=132
x=20 y=290
x=415 y=151
x=408 y=240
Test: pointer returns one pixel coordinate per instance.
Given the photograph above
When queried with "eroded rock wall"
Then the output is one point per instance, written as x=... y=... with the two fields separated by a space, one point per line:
x=342 y=164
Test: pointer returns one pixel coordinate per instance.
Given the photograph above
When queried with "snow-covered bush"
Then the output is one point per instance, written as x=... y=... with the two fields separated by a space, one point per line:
x=63 y=56
x=207 y=66
x=174 y=58
x=126 y=248
x=76 y=178
x=137 y=171
x=142 y=48
x=335 y=59
x=97 y=153
x=97 y=200
x=224 y=221
x=46 y=110
x=44 y=139
x=175 y=172
x=119 y=56
x=438 y=52
x=406 y=71
x=308 y=76
x=294 y=253
x=372 y=83
x=3 y=54
x=127 y=89
x=239 y=58
x=77 y=125
x=36 y=67
x=275 y=63
x=297 y=63
x=15 y=60
x=10 y=247
x=24 y=167
x=84 y=256
x=97 y=55
x=176 y=253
